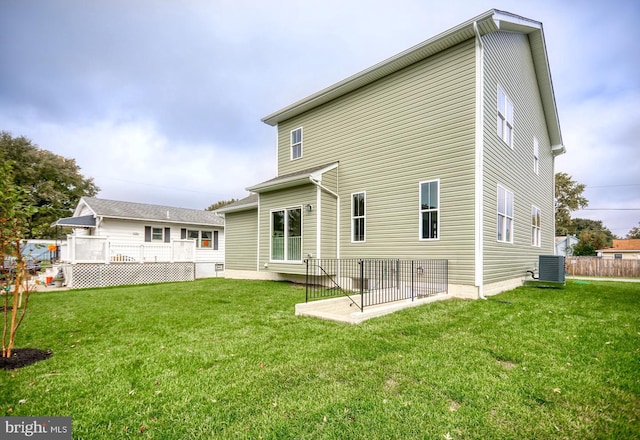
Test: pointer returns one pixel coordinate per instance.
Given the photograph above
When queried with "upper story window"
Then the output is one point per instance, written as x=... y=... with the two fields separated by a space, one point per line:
x=505 y=117
x=358 y=202
x=296 y=143
x=286 y=235
x=536 y=156
x=429 y=210
x=535 y=227
x=505 y=215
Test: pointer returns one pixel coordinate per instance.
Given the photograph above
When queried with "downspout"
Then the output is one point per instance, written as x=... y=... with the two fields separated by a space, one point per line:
x=479 y=171
x=318 y=222
x=334 y=194
x=258 y=240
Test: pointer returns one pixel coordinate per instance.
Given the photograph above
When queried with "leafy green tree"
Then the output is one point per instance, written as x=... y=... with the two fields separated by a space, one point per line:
x=52 y=183
x=634 y=232
x=583 y=224
x=568 y=198
x=589 y=242
x=15 y=212
x=220 y=204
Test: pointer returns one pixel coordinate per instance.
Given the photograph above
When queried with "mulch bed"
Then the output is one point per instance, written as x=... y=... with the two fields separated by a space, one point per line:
x=21 y=357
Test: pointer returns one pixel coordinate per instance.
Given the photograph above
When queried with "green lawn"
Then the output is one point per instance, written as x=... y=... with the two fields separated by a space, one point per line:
x=228 y=359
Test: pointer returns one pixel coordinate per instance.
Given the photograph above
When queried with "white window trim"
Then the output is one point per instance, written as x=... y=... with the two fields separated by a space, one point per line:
x=291 y=144
x=353 y=217
x=504 y=121
x=536 y=239
x=286 y=252
x=536 y=156
x=199 y=240
x=420 y=210
x=498 y=213
x=157 y=240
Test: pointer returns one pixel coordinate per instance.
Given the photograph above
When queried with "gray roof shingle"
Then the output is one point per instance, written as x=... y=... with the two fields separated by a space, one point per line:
x=143 y=211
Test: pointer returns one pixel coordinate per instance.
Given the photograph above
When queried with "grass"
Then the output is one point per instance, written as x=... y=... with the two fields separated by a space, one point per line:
x=228 y=359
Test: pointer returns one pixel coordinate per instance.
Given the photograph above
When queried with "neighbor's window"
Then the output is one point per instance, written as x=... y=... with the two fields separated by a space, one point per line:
x=286 y=235
x=204 y=239
x=536 y=156
x=157 y=234
x=429 y=209
x=152 y=233
x=505 y=215
x=505 y=117
x=296 y=143
x=535 y=226
x=358 y=202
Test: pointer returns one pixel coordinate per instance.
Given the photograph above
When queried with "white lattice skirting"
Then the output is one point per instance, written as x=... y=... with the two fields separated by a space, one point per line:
x=82 y=276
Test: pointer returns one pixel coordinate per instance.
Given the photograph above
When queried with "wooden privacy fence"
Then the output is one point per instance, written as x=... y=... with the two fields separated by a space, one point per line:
x=599 y=267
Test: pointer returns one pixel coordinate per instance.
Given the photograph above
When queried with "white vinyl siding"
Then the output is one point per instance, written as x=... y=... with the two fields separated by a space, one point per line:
x=430 y=210
x=505 y=215
x=358 y=217
x=536 y=235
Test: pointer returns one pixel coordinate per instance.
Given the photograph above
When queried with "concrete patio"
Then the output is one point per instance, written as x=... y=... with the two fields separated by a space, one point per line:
x=342 y=309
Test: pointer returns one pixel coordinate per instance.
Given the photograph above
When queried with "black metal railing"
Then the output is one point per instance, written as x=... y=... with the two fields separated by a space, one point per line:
x=368 y=282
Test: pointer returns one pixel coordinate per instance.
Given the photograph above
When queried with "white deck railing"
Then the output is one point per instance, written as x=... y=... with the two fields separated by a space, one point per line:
x=80 y=249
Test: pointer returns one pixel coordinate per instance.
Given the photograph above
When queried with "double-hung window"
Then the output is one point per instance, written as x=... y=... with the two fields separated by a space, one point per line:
x=286 y=235
x=358 y=207
x=536 y=156
x=153 y=233
x=505 y=117
x=429 y=210
x=296 y=143
x=505 y=215
x=535 y=226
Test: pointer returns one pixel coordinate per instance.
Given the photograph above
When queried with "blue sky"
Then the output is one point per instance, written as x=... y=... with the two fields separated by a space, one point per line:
x=160 y=101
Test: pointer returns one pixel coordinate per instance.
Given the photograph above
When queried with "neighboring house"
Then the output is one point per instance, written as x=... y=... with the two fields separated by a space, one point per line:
x=622 y=249
x=444 y=151
x=564 y=245
x=111 y=231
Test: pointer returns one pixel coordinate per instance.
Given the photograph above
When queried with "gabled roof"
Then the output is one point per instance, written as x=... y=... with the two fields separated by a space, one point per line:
x=489 y=22
x=628 y=245
x=293 y=179
x=142 y=211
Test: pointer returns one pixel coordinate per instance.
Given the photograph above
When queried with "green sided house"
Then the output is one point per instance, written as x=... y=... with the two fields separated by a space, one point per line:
x=445 y=151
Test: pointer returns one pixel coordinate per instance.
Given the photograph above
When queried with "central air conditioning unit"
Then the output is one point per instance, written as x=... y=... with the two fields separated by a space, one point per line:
x=550 y=272
x=551 y=268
